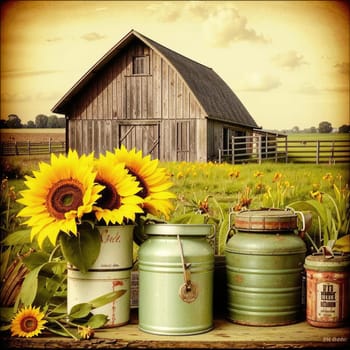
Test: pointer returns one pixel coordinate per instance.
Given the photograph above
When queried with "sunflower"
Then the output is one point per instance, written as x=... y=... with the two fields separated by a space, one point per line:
x=119 y=200
x=86 y=332
x=154 y=181
x=58 y=195
x=28 y=322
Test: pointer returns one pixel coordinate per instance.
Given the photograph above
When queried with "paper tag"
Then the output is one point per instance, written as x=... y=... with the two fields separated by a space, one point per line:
x=327 y=300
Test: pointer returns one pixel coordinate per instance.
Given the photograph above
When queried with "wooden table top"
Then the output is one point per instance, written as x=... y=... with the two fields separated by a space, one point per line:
x=224 y=335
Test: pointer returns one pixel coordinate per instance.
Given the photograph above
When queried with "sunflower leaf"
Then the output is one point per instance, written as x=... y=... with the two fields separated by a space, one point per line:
x=80 y=310
x=30 y=286
x=107 y=298
x=81 y=250
x=97 y=321
x=19 y=237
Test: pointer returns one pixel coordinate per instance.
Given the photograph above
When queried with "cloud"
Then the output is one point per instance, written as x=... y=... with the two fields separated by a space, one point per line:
x=342 y=68
x=198 y=9
x=53 y=39
x=222 y=24
x=310 y=89
x=289 y=60
x=260 y=82
x=338 y=88
x=166 y=11
x=15 y=97
x=27 y=73
x=99 y=9
x=92 y=36
x=226 y=26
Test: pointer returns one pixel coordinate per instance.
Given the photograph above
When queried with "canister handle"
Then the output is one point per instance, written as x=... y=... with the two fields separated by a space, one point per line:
x=303 y=220
x=188 y=291
x=306 y=219
x=230 y=221
x=214 y=240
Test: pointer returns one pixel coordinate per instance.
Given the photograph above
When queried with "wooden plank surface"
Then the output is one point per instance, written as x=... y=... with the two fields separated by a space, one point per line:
x=225 y=335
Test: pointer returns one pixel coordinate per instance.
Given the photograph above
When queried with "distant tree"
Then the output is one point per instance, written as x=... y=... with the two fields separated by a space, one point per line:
x=313 y=130
x=13 y=121
x=41 y=121
x=295 y=129
x=52 y=121
x=61 y=122
x=325 y=127
x=344 y=129
x=30 y=124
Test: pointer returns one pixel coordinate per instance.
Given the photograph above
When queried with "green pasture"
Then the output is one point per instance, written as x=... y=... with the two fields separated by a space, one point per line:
x=226 y=183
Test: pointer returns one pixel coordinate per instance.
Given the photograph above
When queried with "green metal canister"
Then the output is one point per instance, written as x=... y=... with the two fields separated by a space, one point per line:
x=328 y=290
x=264 y=263
x=176 y=266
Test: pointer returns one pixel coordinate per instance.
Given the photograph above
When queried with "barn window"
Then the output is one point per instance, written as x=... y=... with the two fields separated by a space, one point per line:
x=140 y=65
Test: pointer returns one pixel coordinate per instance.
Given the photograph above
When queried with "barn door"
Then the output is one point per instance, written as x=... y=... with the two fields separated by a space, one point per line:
x=144 y=137
x=183 y=141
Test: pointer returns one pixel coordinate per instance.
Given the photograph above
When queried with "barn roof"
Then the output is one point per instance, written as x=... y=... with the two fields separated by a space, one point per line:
x=215 y=96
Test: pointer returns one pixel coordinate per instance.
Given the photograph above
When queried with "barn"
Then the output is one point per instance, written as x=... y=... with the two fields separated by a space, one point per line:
x=144 y=95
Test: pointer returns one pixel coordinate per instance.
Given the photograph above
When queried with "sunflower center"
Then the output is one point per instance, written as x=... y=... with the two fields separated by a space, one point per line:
x=29 y=324
x=143 y=193
x=65 y=195
x=110 y=198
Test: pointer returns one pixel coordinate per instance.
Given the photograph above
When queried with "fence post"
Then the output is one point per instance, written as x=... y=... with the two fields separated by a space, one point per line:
x=331 y=159
x=232 y=150
x=317 y=151
x=259 y=149
x=219 y=155
x=276 y=149
x=49 y=145
x=286 y=148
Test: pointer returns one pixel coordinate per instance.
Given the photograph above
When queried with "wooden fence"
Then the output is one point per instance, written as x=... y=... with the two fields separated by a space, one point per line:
x=13 y=148
x=259 y=148
x=242 y=149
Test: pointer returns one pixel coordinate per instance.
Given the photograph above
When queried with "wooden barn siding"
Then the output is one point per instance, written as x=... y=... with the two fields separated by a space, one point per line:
x=114 y=95
x=215 y=136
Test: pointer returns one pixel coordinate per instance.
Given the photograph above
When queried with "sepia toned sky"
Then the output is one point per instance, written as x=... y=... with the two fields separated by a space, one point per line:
x=288 y=61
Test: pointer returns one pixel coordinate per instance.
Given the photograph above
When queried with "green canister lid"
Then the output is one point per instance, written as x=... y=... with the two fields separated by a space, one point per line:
x=319 y=262
x=178 y=229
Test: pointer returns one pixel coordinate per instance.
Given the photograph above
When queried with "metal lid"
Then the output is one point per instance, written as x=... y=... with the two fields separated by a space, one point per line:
x=320 y=262
x=178 y=229
x=272 y=220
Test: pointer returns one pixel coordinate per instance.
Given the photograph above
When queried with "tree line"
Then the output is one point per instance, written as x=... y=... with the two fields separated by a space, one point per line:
x=53 y=121
x=41 y=121
x=323 y=128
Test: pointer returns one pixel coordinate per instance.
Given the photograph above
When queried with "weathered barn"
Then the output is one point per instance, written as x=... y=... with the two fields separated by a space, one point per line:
x=144 y=95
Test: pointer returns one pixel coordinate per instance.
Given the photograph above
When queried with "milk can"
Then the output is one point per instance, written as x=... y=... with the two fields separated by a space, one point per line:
x=328 y=289
x=176 y=265
x=264 y=264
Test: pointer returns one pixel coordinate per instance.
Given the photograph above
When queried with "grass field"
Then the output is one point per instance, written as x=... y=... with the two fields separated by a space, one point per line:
x=318 y=136
x=33 y=135
x=215 y=189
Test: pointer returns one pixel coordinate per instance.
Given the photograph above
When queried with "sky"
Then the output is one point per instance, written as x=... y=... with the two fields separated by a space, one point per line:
x=287 y=61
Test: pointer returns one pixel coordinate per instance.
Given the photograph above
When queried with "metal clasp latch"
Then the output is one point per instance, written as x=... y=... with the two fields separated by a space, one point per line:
x=188 y=291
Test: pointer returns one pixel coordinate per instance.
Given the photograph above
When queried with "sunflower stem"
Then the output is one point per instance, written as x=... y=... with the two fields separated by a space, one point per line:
x=53 y=252
x=65 y=329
